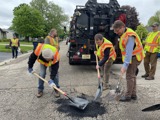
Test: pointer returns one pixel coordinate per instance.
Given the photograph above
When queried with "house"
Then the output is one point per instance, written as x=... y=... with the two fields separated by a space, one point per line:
x=3 y=33
x=10 y=34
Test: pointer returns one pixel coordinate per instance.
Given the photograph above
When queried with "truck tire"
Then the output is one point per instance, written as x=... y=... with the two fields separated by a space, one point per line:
x=70 y=60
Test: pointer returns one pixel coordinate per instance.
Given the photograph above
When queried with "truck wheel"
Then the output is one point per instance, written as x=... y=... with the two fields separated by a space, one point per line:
x=70 y=60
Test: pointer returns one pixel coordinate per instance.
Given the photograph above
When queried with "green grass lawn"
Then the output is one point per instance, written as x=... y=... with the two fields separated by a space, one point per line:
x=21 y=43
x=23 y=48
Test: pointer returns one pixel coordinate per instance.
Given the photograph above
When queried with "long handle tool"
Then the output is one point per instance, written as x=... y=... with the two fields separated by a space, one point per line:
x=100 y=86
x=76 y=102
x=152 y=108
x=119 y=89
x=116 y=93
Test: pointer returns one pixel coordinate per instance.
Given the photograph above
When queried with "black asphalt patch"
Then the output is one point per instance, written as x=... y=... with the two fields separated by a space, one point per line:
x=93 y=109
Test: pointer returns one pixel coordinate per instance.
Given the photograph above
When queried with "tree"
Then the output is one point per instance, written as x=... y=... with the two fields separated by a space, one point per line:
x=155 y=18
x=27 y=21
x=132 y=16
x=40 y=5
x=52 y=13
x=141 y=31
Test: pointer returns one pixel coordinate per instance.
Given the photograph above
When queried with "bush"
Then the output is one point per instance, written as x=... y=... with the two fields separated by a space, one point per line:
x=4 y=40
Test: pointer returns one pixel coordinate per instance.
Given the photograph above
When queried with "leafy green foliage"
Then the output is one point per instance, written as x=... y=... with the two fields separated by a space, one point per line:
x=23 y=48
x=155 y=18
x=132 y=16
x=141 y=31
x=28 y=21
x=53 y=14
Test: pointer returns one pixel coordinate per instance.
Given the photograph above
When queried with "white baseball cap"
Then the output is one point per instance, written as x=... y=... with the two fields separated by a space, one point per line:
x=47 y=53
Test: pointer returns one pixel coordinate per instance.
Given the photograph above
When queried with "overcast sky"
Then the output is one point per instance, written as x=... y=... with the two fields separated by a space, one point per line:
x=145 y=8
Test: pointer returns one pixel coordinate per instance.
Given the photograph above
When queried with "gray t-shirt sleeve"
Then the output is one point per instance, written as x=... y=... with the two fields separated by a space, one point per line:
x=47 y=41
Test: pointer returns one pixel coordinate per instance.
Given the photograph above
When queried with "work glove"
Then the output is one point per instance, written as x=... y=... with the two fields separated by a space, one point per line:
x=51 y=83
x=30 y=70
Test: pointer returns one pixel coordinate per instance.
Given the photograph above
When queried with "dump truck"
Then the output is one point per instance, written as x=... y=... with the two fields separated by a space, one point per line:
x=89 y=20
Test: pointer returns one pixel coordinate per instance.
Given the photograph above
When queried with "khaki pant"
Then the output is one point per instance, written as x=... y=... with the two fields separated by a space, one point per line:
x=131 y=77
x=105 y=71
x=150 y=63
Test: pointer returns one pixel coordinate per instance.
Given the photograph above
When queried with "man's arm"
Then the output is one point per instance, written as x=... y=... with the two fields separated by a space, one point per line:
x=159 y=44
x=54 y=70
x=32 y=59
x=47 y=40
x=106 y=56
x=18 y=43
x=129 y=50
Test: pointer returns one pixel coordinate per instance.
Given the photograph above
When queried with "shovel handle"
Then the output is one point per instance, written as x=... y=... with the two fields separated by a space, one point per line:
x=121 y=76
x=59 y=90
x=98 y=72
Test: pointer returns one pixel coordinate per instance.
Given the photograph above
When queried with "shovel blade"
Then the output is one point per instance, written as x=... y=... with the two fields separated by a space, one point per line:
x=98 y=92
x=152 y=108
x=79 y=103
x=113 y=95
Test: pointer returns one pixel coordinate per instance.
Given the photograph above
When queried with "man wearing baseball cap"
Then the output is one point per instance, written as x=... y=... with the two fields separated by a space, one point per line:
x=152 y=47
x=48 y=56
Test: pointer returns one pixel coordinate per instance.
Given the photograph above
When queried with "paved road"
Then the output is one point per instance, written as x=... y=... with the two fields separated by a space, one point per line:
x=5 y=56
x=18 y=89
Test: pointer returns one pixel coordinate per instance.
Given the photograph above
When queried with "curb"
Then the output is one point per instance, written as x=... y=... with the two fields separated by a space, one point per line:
x=10 y=60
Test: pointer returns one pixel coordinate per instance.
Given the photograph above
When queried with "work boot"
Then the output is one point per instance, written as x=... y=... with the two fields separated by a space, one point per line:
x=40 y=93
x=134 y=97
x=145 y=75
x=149 y=78
x=106 y=87
x=125 y=99
x=56 y=93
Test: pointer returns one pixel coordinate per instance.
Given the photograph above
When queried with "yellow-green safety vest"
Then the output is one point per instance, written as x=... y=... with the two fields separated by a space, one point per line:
x=152 y=42
x=41 y=47
x=53 y=41
x=100 y=50
x=138 y=50
x=14 y=42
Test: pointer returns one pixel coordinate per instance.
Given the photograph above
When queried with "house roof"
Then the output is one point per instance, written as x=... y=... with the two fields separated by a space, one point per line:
x=3 y=30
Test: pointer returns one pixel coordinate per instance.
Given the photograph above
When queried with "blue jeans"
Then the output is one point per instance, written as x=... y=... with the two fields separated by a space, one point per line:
x=43 y=75
x=14 y=51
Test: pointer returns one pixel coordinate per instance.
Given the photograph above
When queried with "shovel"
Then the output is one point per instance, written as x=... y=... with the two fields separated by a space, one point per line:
x=100 y=86
x=76 y=102
x=152 y=108
x=119 y=89
x=116 y=94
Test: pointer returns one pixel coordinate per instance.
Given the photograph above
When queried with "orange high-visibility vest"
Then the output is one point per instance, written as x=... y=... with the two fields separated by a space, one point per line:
x=152 y=42
x=41 y=47
x=138 y=50
x=53 y=42
x=101 y=49
x=14 y=42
